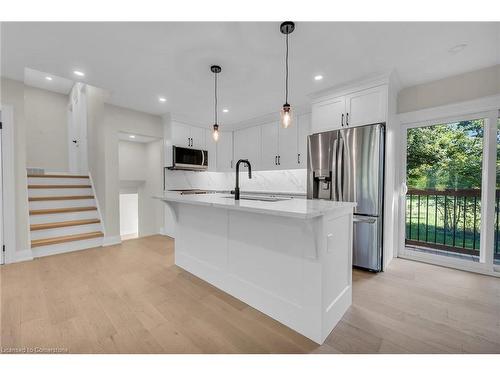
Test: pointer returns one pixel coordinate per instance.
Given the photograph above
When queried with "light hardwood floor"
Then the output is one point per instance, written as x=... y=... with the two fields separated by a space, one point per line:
x=131 y=298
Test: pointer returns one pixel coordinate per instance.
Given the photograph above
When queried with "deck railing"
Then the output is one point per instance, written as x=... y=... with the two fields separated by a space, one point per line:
x=448 y=220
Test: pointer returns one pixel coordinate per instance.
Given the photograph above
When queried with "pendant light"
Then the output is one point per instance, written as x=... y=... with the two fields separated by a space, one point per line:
x=216 y=69
x=286 y=114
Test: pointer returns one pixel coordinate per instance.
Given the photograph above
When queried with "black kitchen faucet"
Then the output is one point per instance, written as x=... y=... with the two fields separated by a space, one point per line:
x=237 y=188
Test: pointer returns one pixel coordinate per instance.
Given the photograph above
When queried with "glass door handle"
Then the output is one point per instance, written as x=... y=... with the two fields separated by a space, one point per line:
x=404 y=189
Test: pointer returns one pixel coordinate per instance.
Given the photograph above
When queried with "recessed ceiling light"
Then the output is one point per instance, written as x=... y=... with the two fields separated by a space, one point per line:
x=225 y=110
x=162 y=99
x=319 y=77
x=131 y=136
x=79 y=73
x=48 y=78
x=456 y=49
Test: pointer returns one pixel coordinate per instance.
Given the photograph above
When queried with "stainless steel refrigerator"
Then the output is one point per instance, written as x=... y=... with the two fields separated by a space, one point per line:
x=348 y=165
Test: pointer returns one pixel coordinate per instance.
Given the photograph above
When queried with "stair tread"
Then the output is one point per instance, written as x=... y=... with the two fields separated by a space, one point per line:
x=61 y=210
x=62 y=224
x=68 y=238
x=56 y=176
x=60 y=198
x=59 y=186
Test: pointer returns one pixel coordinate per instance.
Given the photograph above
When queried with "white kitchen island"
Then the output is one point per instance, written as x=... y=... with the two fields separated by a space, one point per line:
x=290 y=259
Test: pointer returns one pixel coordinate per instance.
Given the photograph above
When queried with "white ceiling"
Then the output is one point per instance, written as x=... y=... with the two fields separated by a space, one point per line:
x=38 y=79
x=138 y=62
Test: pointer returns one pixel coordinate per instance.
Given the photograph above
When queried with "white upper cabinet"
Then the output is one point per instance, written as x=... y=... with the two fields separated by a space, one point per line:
x=211 y=147
x=188 y=136
x=361 y=107
x=198 y=138
x=247 y=146
x=287 y=147
x=225 y=152
x=269 y=146
x=181 y=135
x=328 y=114
x=303 y=130
x=367 y=106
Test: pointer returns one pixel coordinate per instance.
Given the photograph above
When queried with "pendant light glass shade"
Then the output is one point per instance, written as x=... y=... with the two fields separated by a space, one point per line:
x=286 y=116
x=215 y=133
x=286 y=113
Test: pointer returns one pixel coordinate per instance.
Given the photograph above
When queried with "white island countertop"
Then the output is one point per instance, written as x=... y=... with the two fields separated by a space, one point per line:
x=295 y=207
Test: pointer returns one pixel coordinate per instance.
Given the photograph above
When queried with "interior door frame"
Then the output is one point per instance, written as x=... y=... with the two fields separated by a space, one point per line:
x=8 y=212
x=447 y=114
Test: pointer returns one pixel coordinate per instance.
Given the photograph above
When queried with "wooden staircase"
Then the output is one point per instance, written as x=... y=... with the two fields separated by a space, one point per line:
x=63 y=214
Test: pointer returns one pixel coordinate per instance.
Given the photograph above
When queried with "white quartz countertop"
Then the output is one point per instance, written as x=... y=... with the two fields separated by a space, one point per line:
x=294 y=207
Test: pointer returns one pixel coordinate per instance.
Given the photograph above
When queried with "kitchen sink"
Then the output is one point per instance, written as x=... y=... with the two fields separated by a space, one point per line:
x=259 y=198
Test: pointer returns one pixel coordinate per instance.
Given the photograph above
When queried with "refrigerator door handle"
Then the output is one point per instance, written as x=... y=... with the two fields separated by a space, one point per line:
x=334 y=171
x=338 y=170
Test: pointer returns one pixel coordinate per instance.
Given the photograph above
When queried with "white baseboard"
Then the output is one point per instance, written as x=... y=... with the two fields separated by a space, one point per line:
x=111 y=240
x=22 y=256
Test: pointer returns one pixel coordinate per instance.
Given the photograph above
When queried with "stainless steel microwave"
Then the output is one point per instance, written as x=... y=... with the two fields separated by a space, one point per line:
x=189 y=159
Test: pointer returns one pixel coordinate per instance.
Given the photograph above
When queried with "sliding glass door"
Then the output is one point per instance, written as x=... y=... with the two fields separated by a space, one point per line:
x=451 y=206
x=443 y=177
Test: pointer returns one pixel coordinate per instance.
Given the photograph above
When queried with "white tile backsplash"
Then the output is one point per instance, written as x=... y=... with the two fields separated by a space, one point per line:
x=287 y=181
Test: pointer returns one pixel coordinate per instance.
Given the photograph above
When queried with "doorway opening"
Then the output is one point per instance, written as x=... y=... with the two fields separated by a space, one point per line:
x=2 y=245
x=129 y=216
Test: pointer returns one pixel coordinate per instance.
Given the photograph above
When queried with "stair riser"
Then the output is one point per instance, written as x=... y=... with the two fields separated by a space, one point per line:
x=51 y=218
x=41 y=205
x=65 y=231
x=57 y=181
x=66 y=247
x=58 y=192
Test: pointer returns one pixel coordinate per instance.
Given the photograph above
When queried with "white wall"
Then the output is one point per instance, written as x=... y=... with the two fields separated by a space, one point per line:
x=132 y=156
x=46 y=129
x=12 y=93
x=459 y=88
x=150 y=209
x=129 y=214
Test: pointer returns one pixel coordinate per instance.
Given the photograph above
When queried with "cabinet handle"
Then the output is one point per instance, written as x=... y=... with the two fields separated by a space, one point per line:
x=279 y=156
x=191 y=142
x=276 y=160
x=342 y=120
x=298 y=158
x=231 y=164
x=347 y=119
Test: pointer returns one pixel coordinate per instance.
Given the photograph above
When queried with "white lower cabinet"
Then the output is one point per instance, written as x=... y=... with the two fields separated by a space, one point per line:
x=247 y=146
x=225 y=152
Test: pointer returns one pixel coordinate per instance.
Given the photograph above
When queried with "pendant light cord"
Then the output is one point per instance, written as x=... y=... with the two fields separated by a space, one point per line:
x=286 y=71
x=215 y=98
